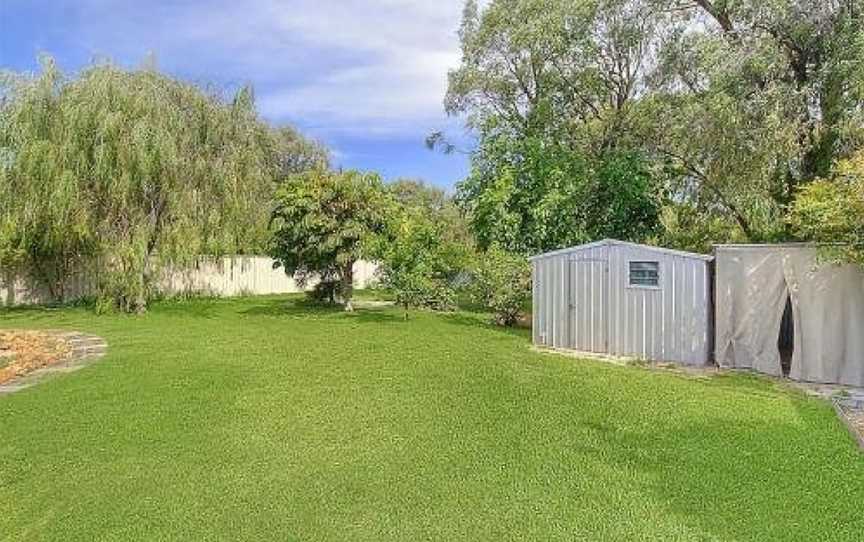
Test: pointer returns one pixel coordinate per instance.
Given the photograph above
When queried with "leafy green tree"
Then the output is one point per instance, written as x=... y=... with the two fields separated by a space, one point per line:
x=418 y=197
x=560 y=68
x=502 y=284
x=530 y=196
x=128 y=174
x=730 y=107
x=297 y=154
x=800 y=55
x=416 y=266
x=751 y=100
x=831 y=211
x=624 y=201
x=525 y=195
x=425 y=248
x=323 y=222
x=548 y=86
x=689 y=228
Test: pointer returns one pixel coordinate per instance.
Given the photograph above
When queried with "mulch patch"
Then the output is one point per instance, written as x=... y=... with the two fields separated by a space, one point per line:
x=23 y=351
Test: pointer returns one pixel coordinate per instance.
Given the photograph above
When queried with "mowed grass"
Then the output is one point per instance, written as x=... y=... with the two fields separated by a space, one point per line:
x=264 y=419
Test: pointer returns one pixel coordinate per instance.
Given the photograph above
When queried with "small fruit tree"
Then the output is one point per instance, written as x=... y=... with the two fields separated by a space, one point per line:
x=322 y=223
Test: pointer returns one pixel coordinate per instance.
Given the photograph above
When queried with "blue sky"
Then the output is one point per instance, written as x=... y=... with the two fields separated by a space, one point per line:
x=367 y=78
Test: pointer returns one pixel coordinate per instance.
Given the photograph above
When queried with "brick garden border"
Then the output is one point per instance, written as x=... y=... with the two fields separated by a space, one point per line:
x=84 y=349
x=843 y=413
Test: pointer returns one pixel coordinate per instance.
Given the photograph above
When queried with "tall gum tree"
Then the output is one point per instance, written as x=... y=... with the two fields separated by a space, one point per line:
x=735 y=105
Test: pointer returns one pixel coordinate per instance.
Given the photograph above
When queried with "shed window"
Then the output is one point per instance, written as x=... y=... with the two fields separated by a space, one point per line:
x=644 y=273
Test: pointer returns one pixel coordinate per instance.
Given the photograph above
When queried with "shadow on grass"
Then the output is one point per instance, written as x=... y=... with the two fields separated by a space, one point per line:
x=294 y=306
x=373 y=315
x=303 y=308
x=702 y=472
x=207 y=308
x=36 y=313
x=484 y=321
x=196 y=307
x=290 y=307
x=751 y=384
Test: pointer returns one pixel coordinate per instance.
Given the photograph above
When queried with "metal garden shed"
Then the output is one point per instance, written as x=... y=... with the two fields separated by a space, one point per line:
x=624 y=299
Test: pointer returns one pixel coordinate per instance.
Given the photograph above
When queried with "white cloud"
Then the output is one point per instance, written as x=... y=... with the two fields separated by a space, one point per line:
x=351 y=66
x=396 y=76
x=393 y=93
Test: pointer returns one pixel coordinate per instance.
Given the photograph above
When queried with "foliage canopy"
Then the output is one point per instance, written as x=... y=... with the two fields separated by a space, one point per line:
x=832 y=211
x=323 y=223
x=722 y=110
x=425 y=248
x=129 y=174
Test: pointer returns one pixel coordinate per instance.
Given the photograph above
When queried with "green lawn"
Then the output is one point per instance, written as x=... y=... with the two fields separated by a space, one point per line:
x=263 y=419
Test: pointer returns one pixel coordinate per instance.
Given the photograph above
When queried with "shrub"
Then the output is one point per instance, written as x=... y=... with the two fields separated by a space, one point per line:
x=502 y=284
x=831 y=211
x=419 y=257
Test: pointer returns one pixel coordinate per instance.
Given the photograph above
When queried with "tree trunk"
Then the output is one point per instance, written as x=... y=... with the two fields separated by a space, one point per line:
x=141 y=294
x=48 y=275
x=139 y=302
x=348 y=286
x=719 y=14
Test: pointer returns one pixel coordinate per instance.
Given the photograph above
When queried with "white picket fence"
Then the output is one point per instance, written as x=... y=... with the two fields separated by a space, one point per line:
x=229 y=276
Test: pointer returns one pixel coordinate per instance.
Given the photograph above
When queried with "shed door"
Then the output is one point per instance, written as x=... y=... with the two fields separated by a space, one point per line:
x=589 y=304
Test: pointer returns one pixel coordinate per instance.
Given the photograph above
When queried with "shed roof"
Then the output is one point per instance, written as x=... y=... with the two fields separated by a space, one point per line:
x=611 y=242
x=763 y=246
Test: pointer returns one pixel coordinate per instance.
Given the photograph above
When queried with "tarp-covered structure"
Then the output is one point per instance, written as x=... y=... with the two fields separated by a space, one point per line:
x=754 y=286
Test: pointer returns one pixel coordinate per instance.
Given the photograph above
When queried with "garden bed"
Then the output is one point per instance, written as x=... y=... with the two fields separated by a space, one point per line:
x=27 y=357
x=22 y=352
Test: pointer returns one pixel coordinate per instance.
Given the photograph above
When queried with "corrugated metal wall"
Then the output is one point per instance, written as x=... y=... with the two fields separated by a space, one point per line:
x=671 y=322
x=588 y=299
x=583 y=301
x=551 y=315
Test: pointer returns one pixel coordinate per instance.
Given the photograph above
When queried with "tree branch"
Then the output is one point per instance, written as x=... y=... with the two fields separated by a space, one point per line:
x=718 y=14
x=742 y=221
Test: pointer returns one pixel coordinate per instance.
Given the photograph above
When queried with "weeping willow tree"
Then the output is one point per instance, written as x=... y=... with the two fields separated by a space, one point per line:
x=128 y=174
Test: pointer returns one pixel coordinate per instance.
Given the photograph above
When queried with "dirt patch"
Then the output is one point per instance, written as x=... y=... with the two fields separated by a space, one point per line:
x=22 y=352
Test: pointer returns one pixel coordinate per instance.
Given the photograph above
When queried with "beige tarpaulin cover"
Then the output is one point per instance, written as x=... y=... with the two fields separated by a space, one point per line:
x=752 y=285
